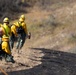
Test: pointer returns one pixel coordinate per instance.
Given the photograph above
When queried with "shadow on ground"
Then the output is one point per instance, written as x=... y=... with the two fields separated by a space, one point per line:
x=54 y=62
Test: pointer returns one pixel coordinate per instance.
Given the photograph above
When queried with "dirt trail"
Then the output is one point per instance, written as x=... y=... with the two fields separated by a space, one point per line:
x=41 y=61
x=40 y=58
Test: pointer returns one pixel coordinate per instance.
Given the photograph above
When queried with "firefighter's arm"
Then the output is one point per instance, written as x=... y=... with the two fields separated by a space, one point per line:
x=28 y=34
x=25 y=28
x=13 y=29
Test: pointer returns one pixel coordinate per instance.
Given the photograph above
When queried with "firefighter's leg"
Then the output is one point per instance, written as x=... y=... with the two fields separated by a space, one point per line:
x=18 y=42
x=9 y=58
x=22 y=41
x=11 y=42
x=6 y=49
x=2 y=54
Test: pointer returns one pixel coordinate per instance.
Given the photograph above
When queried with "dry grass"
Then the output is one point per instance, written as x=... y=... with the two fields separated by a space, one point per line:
x=59 y=25
x=20 y=6
x=53 y=28
x=54 y=18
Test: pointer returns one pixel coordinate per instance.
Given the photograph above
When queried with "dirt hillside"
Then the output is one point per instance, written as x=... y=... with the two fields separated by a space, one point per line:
x=52 y=47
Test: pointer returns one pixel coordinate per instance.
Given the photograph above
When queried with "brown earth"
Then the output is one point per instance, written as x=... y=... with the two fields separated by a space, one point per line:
x=51 y=49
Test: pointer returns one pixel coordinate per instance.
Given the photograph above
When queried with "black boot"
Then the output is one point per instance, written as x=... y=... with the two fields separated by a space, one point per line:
x=9 y=58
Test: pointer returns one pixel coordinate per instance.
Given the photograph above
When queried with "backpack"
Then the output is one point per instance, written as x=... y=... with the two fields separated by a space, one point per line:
x=19 y=29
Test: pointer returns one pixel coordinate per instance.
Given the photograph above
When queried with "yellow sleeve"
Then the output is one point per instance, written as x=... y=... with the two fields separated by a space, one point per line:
x=24 y=27
x=13 y=29
x=16 y=24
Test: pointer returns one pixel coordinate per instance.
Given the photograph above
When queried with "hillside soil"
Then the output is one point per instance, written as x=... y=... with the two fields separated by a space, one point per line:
x=50 y=51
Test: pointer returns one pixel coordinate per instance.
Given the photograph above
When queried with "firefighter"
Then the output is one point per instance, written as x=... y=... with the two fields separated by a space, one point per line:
x=6 y=26
x=13 y=35
x=5 y=47
x=19 y=29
